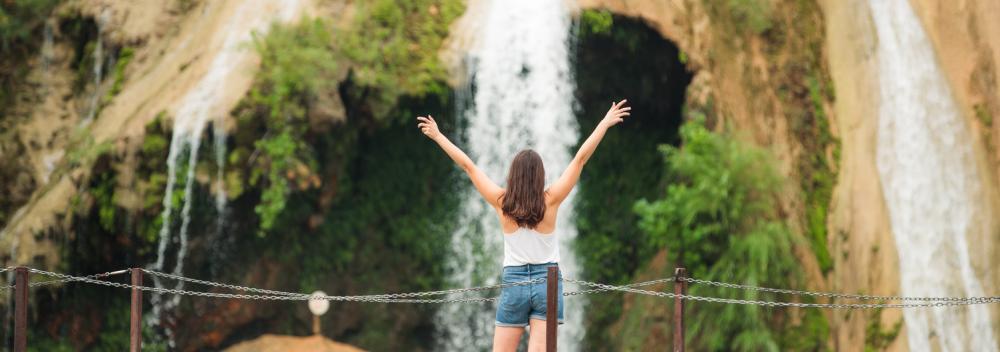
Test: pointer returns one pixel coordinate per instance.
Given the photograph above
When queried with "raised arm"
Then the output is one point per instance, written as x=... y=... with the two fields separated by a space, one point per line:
x=486 y=187
x=560 y=189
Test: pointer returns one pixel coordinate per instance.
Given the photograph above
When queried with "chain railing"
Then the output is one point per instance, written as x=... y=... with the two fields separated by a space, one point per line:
x=833 y=295
x=679 y=282
x=967 y=301
x=420 y=297
x=285 y=296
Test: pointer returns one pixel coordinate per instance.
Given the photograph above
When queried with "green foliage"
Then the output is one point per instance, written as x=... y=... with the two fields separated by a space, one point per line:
x=295 y=60
x=983 y=114
x=876 y=338
x=741 y=16
x=754 y=15
x=391 y=51
x=20 y=20
x=597 y=22
x=818 y=177
x=297 y=64
x=280 y=150
x=718 y=218
x=103 y=192
x=114 y=334
x=627 y=165
x=21 y=23
x=393 y=47
x=124 y=58
x=85 y=150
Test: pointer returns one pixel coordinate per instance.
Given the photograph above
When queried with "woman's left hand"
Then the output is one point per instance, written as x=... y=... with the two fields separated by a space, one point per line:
x=428 y=126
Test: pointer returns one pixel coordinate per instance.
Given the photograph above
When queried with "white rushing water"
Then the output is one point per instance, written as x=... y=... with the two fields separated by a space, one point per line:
x=98 y=72
x=931 y=185
x=197 y=109
x=522 y=97
x=48 y=50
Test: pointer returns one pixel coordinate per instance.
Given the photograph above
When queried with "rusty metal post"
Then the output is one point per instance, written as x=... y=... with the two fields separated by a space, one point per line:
x=680 y=288
x=135 y=329
x=20 y=309
x=551 y=308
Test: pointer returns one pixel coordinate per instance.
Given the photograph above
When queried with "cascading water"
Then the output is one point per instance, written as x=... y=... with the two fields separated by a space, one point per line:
x=522 y=92
x=48 y=49
x=931 y=185
x=98 y=71
x=199 y=107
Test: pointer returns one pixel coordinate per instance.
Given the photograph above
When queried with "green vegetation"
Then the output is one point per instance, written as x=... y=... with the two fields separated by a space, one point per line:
x=818 y=177
x=393 y=47
x=20 y=20
x=124 y=58
x=984 y=115
x=791 y=41
x=718 y=217
x=752 y=15
x=610 y=246
x=85 y=149
x=297 y=64
x=21 y=23
x=596 y=22
x=349 y=204
x=876 y=338
x=390 y=52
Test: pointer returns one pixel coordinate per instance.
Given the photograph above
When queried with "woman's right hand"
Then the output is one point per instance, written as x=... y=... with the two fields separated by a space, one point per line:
x=428 y=126
x=616 y=114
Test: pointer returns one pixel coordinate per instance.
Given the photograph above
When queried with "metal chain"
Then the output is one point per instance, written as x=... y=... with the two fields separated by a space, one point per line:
x=370 y=299
x=834 y=295
x=599 y=290
x=385 y=296
x=409 y=297
x=64 y=280
x=222 y=285
x=785 y=304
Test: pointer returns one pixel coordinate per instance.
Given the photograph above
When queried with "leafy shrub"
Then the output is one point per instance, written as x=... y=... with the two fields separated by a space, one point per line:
x=391 y=52
x=718 y=218
x=751 y=14
x=596 y=22
x=297 y=64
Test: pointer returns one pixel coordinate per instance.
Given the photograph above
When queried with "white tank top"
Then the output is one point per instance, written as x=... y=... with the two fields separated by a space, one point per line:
x=527 y=246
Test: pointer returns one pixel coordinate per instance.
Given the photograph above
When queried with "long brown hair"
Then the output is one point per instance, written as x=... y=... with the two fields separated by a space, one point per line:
x=524 y=200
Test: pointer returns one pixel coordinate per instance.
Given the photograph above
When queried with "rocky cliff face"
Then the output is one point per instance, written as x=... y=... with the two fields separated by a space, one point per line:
x=966 y=38
x=61 y=125
x=800 y=78
x=749 y=90
x=859 y=218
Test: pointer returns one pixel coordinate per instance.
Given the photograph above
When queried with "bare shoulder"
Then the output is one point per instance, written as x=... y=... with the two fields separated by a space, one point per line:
x=550 y=200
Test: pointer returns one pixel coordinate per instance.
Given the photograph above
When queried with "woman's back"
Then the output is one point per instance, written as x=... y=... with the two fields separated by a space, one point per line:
x=546 y=226
x=527 y=246
x=527 y=212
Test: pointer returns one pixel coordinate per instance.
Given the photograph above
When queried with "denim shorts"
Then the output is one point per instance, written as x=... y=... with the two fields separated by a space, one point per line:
x=519 y=303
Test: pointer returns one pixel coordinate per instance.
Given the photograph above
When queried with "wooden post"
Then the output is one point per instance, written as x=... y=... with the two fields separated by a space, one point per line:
x=551 y=308
x=20 y=309
x=680 y=288
x=135 y=330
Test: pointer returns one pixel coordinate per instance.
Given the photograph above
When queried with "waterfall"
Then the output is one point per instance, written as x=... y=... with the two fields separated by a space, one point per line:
x=522 y=97
x=204 y=104
x=931 y=184
x=48 y=50
x=98 y=71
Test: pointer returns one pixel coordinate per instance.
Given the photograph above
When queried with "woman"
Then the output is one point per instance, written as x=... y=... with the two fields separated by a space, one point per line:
x=527 y=212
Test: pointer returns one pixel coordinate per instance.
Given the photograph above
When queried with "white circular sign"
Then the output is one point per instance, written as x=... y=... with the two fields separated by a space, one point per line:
x=318 y=306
